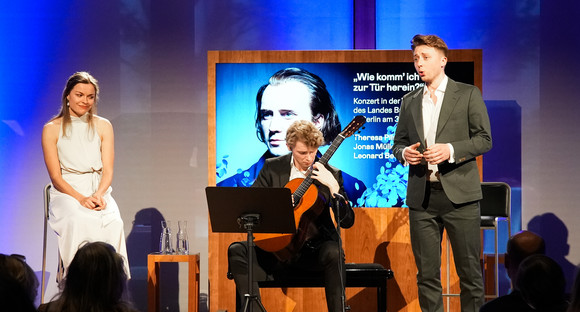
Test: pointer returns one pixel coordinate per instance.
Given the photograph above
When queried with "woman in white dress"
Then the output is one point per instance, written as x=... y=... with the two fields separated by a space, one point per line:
x=79 y=150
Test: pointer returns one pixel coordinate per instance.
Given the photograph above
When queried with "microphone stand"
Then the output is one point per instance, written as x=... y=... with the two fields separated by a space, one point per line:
x=249 y=221
x=341 y=266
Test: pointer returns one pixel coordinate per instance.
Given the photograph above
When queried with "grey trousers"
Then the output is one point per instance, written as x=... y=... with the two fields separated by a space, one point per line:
x=462 y=223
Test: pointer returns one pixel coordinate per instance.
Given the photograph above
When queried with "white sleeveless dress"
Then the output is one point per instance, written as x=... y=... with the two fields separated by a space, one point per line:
x=79 y=154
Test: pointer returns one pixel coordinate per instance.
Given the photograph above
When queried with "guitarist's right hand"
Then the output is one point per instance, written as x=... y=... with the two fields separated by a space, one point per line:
x=322 y=175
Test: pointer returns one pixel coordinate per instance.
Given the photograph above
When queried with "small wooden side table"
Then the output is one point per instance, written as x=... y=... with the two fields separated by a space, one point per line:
x=153 y=263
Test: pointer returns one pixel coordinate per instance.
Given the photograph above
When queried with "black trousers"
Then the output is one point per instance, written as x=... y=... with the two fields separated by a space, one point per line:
x=322 y=257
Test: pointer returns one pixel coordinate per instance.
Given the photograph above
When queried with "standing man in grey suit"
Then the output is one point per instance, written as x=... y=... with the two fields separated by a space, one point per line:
x=442 y=128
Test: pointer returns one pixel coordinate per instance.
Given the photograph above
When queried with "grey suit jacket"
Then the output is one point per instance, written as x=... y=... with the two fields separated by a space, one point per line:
x=464 y=123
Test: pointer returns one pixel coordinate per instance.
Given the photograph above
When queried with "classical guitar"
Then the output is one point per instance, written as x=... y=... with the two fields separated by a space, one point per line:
x=306 y=206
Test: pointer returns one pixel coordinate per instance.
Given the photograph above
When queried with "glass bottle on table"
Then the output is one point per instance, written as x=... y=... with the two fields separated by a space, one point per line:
x=182 y=241
x=165 y=246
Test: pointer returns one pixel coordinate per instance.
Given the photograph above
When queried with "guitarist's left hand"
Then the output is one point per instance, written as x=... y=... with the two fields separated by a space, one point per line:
x=322 y=175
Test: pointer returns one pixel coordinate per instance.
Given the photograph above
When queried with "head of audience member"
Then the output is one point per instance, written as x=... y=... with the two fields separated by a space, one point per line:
x=575 y=295
x=18 y=283
x=540 y=281
x=520 y=246
x=95 y=280
x=293 y=94
x=15 y=267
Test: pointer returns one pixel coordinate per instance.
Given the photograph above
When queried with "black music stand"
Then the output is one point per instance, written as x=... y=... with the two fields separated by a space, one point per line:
x=250 y=209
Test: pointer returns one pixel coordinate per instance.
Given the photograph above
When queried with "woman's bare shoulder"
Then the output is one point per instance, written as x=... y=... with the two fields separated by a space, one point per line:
x=100 y=121
x=104 y=126
x=53 y=124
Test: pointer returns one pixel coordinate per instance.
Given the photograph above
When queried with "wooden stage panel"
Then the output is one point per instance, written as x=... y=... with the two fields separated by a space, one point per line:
x=380 y=235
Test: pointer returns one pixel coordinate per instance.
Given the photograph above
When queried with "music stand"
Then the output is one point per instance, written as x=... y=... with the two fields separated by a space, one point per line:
x=250 y=209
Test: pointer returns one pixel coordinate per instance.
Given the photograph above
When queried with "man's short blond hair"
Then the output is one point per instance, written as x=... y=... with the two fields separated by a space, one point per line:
x=304 y=131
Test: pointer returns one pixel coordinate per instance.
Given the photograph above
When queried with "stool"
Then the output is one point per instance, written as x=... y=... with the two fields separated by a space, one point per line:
x=357 y=275
x=60 y=267
x=153 y=263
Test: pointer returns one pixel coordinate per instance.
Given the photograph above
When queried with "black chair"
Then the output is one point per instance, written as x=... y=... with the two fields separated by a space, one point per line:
x=357 y=275
x=495 y=206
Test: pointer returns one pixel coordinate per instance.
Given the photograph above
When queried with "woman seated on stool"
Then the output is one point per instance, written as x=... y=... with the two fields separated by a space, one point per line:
x=79 y=154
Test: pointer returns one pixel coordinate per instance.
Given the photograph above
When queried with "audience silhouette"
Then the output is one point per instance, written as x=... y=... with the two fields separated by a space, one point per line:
x=519 y=247
x=541 y=283
x=95 y=282
x=575 y=300
x=18 y=284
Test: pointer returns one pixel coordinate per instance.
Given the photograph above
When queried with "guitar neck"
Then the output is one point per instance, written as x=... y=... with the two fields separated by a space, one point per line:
x=331 y=149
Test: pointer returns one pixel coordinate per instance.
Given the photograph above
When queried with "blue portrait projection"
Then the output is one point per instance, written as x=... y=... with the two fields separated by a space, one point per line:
x=252 y=117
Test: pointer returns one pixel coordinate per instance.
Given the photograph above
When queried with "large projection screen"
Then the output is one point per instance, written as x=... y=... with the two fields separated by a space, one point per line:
x=368 y=83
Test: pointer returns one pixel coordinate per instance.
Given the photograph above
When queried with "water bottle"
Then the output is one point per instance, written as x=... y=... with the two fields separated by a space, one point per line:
x=182 y=241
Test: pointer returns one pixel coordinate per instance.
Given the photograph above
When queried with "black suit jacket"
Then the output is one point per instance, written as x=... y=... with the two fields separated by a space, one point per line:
x=276 y=173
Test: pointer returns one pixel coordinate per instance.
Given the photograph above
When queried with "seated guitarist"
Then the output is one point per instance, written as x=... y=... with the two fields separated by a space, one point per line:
x=319 y=250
